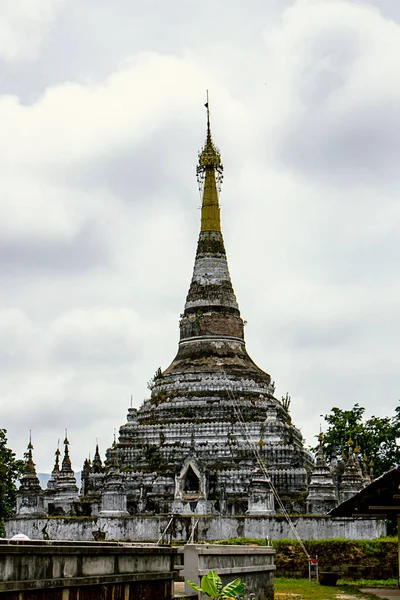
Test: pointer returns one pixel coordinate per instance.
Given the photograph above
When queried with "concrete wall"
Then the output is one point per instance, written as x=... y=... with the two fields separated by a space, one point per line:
x=209 y=528
x=253 y=564
x=65 y=571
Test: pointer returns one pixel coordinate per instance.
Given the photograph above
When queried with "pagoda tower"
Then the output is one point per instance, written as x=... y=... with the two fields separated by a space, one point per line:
x=61 y=496
x=322 y=495
x=213 y=406
x=30 y=494
x=352 y=477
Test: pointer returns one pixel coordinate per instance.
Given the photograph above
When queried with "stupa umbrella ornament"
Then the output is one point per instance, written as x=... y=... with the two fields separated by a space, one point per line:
x=209 y=178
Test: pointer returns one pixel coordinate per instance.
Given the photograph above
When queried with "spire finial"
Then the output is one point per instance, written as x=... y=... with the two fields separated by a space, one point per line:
x=97 y=464
x=209 y=177
x=29 y=464
x=29 y=479
x=320 y=452
x=66 y=463
x=207 y=105
x=57 y=453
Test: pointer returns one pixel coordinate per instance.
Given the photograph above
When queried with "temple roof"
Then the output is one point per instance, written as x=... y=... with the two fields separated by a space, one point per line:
x=378 y=499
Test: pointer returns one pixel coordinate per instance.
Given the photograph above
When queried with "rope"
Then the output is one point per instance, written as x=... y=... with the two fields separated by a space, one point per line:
x=165 y=531
x=261 y=464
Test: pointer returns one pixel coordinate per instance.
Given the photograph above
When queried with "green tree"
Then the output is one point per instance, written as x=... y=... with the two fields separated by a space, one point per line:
x=11 y=470
x=376 y=437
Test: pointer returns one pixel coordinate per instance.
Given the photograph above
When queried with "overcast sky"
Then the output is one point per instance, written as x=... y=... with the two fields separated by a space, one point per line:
x=101 y=119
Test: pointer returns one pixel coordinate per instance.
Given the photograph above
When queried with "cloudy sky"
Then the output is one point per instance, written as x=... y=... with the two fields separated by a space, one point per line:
x=101 y=119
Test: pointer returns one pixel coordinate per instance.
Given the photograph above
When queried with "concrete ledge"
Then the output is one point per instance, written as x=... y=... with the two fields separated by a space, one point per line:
x=10 y=586
x=239 y=570
x=234 y=550
x=70 y=547
x=32 y=569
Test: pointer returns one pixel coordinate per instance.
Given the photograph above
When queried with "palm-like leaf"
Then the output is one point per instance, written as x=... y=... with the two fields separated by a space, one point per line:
x=194 y=586
x=232 y=589
x=211 y=584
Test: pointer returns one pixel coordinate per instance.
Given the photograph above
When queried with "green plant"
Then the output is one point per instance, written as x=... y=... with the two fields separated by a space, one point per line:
x=285 y=401
x=153 y=457
x=199 y=315
x=211 y=585
x=153 y=381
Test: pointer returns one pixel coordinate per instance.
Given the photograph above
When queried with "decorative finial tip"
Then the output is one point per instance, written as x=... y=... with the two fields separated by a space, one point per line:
x=210 y=156
x=207 y=105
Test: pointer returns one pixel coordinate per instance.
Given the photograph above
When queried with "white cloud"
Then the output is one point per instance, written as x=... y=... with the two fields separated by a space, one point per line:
x=23 y=26
x=99 y=215
x=99 y=335
x=336 y=96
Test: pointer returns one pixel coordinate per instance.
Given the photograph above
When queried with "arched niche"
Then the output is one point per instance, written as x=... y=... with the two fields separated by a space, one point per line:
x=190 y=484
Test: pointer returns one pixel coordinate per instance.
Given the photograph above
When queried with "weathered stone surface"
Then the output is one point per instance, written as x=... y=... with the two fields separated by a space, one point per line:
x=141 y=528
x=31 y=570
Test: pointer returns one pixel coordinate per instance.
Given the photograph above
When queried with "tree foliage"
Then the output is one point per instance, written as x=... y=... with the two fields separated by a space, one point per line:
x=11 y=470
x=376 y=437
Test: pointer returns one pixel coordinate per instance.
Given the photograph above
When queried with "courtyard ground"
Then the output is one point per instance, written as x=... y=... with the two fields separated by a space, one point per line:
x=302 y=589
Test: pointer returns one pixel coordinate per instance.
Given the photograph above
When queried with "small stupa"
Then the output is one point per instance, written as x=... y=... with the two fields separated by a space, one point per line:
x=322 y=493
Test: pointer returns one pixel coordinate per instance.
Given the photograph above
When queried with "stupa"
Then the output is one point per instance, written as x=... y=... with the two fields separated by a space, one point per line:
x=190 y=447
x=211 y=440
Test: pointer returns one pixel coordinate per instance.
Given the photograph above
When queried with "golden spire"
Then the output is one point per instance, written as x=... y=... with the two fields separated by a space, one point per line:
x=209 y=176
x=29 y=464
